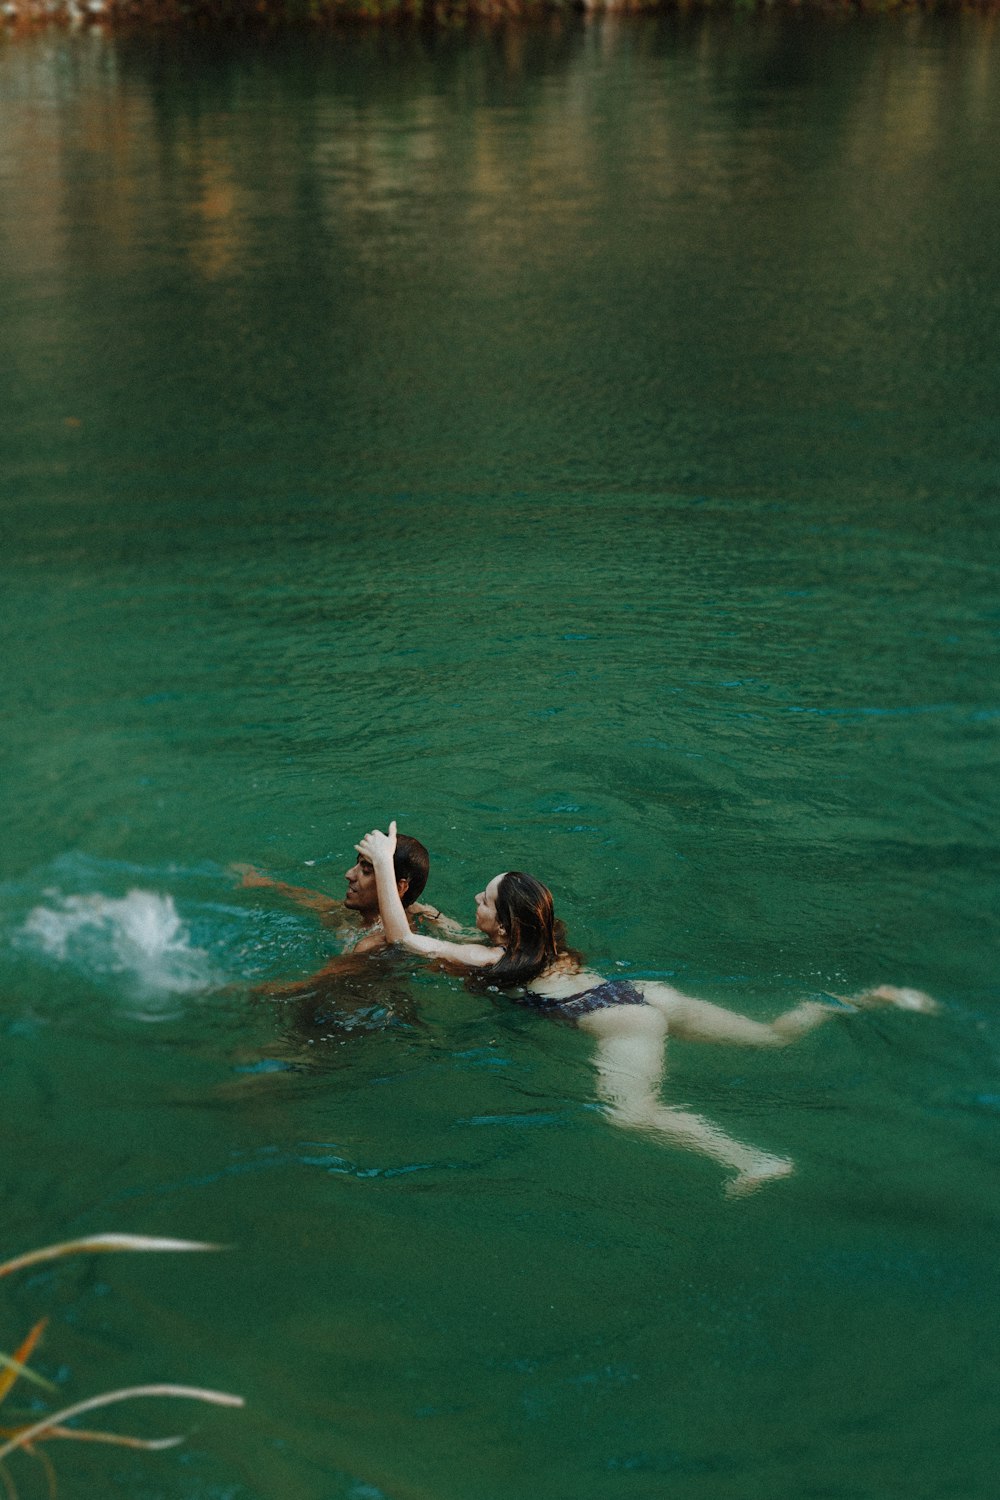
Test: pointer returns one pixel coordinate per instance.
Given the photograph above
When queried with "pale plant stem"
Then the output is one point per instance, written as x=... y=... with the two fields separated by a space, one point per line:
x=97 y=1243
x=192 y=1393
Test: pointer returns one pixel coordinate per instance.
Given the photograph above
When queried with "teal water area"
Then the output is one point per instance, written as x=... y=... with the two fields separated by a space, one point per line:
x=582 y=444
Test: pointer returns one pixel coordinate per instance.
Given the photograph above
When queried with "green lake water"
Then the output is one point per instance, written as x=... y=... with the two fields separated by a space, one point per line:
x=581 y=443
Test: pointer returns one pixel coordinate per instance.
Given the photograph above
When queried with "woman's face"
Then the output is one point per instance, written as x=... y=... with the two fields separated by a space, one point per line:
x=486 y=909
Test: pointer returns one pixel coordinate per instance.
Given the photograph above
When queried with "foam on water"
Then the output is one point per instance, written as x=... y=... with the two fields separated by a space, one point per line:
x=139 y=936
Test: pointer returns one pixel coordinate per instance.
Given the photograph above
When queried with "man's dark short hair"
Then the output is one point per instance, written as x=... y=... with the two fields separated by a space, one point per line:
x=411 y=862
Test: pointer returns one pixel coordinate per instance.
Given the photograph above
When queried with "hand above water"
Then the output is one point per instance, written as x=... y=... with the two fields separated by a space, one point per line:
x=378 y=846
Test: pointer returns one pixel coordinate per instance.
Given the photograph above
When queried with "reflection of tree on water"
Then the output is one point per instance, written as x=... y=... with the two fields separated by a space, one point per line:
x=610 y=160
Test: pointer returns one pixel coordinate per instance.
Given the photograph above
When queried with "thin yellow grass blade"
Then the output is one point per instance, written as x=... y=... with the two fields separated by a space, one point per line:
x=50 y=1473
x=87 y=1435
x=119 y=1439
x=192 y=1393
x=8 y=1483
x=13 y=1368
x=100 y=1243
x=17 y=1365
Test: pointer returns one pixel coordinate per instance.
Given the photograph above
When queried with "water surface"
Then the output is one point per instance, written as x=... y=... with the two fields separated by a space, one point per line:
x=580 y=443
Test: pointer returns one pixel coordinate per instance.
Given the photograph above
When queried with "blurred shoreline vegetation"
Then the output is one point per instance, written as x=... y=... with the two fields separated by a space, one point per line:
x=33 y=1430
x=24 y=16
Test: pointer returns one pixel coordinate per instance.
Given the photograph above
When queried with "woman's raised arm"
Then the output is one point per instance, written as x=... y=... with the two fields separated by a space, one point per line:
x=380 y=848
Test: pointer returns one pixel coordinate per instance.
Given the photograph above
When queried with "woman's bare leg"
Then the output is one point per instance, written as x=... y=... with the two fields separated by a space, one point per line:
x=631 y=1042
x=700 y=1021
x=899 y=999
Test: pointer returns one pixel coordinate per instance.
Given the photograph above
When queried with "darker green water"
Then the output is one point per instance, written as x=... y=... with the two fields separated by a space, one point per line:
x=582 y=444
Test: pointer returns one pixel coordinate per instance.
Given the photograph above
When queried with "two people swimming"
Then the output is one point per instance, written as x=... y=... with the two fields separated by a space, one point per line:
x=520 y=949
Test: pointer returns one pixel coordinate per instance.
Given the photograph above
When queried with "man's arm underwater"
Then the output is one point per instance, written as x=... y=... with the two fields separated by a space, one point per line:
x=344 y=965
x=328 y=906
x=324 y=906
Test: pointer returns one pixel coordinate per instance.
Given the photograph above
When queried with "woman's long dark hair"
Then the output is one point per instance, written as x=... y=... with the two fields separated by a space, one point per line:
x=534 y=939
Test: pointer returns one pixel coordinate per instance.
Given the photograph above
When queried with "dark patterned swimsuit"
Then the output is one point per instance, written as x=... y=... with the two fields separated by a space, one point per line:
x=611 y=992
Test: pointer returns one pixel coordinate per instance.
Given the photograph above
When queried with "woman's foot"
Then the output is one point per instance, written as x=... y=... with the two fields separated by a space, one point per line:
x=900 y=999
x=763 y=1169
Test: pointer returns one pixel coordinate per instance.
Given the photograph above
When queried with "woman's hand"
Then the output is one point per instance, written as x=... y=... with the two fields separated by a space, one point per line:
x=378 y=847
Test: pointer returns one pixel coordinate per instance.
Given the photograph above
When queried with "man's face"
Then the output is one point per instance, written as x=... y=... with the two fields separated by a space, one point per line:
x=362 y=894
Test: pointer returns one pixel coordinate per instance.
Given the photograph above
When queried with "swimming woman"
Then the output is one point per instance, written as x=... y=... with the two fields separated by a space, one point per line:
x=525 y=951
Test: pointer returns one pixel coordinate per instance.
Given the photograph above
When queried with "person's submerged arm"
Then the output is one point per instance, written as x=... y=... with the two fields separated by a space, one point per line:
x=379 y=848
x=345 y=965
x=301 y=895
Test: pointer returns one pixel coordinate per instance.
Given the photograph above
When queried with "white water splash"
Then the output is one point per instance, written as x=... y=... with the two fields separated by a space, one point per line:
x=140 y=937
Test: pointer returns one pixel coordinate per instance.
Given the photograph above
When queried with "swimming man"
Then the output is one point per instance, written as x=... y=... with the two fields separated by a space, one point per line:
x=411 y=866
